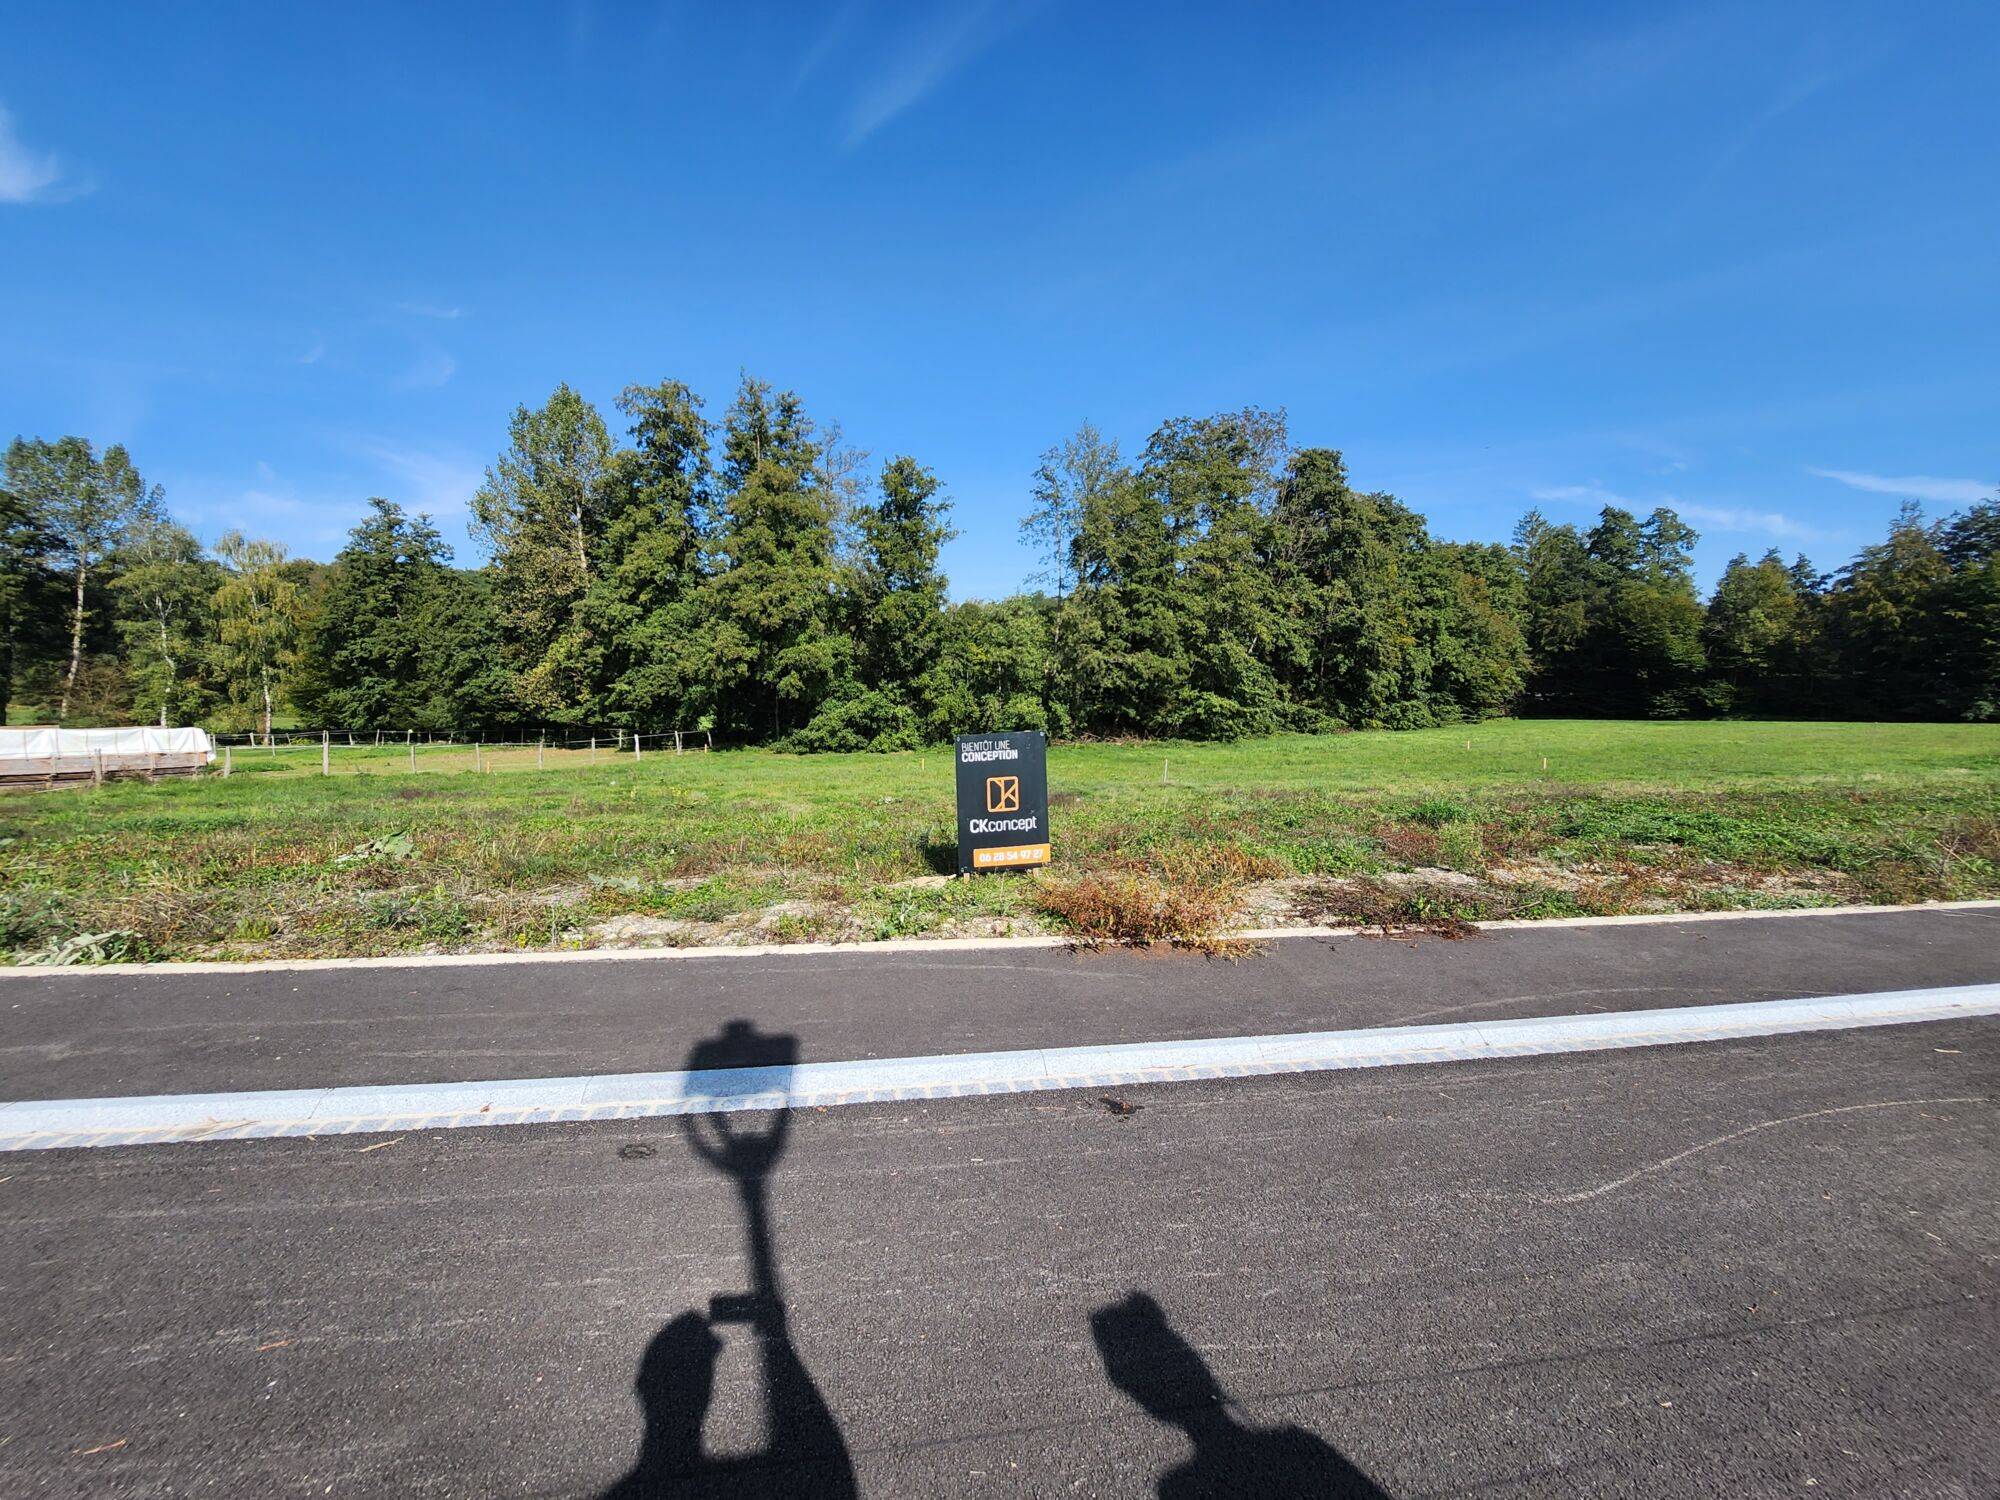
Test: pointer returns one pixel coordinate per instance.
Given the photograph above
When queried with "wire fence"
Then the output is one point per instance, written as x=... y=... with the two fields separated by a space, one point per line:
x=354 y=751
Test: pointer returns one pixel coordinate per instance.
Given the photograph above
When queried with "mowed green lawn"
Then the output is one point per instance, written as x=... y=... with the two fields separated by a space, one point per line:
x=1526 y=818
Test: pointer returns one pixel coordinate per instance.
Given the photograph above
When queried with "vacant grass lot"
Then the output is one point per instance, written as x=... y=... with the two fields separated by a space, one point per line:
x=1524 y=818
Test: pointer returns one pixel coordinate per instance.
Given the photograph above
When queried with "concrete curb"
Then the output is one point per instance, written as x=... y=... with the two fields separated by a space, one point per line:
x=38 y=1125
x=905 y=945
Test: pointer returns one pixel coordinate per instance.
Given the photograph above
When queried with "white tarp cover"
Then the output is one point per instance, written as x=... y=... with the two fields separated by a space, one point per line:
x=119 y=746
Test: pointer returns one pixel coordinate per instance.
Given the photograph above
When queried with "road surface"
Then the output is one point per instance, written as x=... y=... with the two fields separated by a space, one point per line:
x=1765 y=1266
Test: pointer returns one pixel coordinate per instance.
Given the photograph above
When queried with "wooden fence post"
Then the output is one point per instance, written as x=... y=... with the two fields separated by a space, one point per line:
x=593 y=749
x=225 y=762
x=325 y=753
x=541 y=751
x=97 y=767
x=637 y=753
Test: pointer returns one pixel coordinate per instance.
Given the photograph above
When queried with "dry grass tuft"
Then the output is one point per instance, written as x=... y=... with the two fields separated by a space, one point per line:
x=1404 y=844
x=1186 y=902
x=1972 y=838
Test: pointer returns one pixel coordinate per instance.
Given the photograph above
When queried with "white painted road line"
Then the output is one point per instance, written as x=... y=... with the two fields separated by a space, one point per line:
x=37 y=1125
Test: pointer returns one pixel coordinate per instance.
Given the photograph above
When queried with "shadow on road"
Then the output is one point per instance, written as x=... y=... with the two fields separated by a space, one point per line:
x=1156 y=1367
x=804 y=1452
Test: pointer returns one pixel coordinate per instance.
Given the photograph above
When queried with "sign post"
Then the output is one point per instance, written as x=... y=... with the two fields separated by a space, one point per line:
x=1003 y=800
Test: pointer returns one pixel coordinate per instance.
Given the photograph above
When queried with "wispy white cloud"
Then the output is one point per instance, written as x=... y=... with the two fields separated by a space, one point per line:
x=1794 y=93
x=26 y=175
x=311 y=524
x=430 y=310
x=1583 y=494
x=923 y=61
x=1727 y=518
x=1914 y=486
x=432 y=368
x=436 y=483
x=831 y=38
x=1732 y=518
x=313 y=355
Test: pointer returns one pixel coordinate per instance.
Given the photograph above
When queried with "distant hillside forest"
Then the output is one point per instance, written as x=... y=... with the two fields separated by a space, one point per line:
x=759 y=579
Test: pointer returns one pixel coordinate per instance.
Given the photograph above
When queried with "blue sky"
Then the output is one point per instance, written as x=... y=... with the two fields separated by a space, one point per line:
x=1736 y=258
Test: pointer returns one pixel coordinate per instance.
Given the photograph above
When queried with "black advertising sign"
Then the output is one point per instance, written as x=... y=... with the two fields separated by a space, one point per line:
x=1003 y=800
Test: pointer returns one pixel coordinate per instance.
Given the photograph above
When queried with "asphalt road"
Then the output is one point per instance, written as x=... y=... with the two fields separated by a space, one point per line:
x=1765 y=1267
x=79 y=1033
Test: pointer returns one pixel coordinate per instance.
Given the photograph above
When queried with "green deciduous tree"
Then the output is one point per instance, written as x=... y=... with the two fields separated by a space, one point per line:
x=1120 y=658
x=165 y=591
x=1347 y=562
x=1222 y=585
x=1879 y=625
x=1613 y=622
x=1214 y=479
x=1911 y=623
x=1389 y=628
x=993 y=669
x=540 y=514
x=1475 y=602
x=85 y=502
x=1755 y=635
x=1068 y=478
x=1072 y=477
x=259 y=608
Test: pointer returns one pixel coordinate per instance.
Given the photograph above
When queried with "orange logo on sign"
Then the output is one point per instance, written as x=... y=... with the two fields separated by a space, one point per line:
x=1003 y=794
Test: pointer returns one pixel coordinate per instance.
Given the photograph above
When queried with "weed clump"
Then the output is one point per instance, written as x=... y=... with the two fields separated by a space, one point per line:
x=1370 y=903
x=1436 y=812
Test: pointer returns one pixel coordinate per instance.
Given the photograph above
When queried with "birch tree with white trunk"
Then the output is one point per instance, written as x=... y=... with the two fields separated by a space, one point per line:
x=258 y=610
x=86 y=503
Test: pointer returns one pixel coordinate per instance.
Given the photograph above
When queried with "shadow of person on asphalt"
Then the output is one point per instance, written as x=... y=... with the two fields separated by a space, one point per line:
x=804 y=1452
x=1156 y=1367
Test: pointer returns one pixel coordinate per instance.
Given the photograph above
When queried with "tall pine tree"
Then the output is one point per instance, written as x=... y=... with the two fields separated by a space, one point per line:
x=772 y=651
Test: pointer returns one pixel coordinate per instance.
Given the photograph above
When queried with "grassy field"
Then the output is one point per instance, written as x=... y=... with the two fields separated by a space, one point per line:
x=1521 y=818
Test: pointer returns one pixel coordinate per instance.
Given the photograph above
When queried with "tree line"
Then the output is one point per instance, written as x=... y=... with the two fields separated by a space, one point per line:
x=757 y=577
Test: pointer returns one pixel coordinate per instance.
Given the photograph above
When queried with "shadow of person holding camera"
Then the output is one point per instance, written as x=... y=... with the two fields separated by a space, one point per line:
x=1156 y=1367
x=804 y=1452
